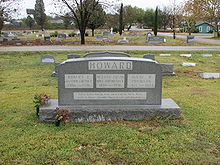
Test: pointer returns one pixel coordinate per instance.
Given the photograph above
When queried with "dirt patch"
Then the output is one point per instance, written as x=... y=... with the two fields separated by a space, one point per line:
x=197 y=91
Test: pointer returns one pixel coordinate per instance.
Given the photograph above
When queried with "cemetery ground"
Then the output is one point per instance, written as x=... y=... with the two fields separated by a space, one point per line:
x=194 y=138
x=134 y=38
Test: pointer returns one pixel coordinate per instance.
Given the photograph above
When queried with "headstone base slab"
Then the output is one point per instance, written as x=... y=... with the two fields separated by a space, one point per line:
x=168 y=74
x=97 y=113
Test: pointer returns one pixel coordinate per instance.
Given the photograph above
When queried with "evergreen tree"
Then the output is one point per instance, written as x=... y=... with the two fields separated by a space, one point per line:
x=156 y=21
x=39 y=15
x=121 y=20
x=29 y=22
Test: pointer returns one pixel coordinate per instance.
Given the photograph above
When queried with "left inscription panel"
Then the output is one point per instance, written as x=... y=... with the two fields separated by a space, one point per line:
x=78 y=81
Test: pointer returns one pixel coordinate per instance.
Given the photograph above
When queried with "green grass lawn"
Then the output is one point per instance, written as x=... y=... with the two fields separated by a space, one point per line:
x=192 y=139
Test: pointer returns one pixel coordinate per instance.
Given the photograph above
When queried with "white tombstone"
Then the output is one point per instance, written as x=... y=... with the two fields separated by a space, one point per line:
x=188 y=64
x=209 y=75
x=185 y=55
x=206 y=55
x=165 y=55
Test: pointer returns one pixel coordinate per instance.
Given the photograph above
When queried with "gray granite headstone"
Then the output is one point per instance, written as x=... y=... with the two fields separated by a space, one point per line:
x=71 y=56
x=149 y=34
x=106 y=34
x=109 y=81
x=123 y=42
x=107 y=54
x=190 y=39
x=55 y=73
x=167 y=69
x=149 y=56
x=38 y=40
x=156 y=39
x=47 y=39
x=61 y=36
x=110 y=88
x=99 y=37
x=47 y=59
x=29 y=44
x=18 y=44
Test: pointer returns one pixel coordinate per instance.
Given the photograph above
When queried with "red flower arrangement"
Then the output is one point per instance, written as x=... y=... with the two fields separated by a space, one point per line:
x=62 y=114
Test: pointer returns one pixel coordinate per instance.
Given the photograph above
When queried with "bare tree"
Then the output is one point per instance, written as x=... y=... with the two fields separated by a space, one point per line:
x=165 y=17
x=81 y=11
x=6 y=8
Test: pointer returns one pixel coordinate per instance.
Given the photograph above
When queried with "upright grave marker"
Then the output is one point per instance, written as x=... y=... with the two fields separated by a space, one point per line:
x=156 y=39
x=47 y=59
x=110 y=88
x=71 y=56
x=190 y=39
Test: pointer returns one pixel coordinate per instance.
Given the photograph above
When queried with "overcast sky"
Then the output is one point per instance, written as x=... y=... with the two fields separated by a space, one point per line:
x=139 y=3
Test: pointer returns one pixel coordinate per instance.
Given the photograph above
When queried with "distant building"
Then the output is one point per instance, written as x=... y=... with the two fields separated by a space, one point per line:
x=204 y=27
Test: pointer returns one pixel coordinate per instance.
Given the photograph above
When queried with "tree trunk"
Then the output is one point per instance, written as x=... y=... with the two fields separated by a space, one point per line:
x=174 y=34
x=129 y=27
x=82 y=35
x=217 y=28
x=42 y=28
x=93 y=32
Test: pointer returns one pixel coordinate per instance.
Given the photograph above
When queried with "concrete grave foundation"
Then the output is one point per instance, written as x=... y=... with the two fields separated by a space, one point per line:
x=97 y=113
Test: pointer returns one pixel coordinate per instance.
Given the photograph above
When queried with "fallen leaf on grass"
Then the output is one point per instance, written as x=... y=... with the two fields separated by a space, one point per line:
x=74 y=157
x=79 y=148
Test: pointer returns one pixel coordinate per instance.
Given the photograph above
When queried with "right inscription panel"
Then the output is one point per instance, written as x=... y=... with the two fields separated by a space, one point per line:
x=141 y=81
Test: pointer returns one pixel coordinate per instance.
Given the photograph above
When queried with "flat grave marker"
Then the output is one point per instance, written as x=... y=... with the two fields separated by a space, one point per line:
x=206 y=55
x=209 y=75
x=185 y=55
x=188 y=64
x=165 y=55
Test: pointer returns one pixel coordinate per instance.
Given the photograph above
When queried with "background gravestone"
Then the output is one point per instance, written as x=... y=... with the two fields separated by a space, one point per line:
x=107 y=54
x=165 y=55
x=188 y=64
x=55 y=73
x=149 y=34
x=61 y=36
x=185 y=55
x=149 y=56
x=190 y=39
x=47 y=39
x=209 y=75
x=47 y=59
x=156 y=39
x=71 y=56
x=206 y=55
x=167 y=69
x=123 y=41
x=99 y=37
